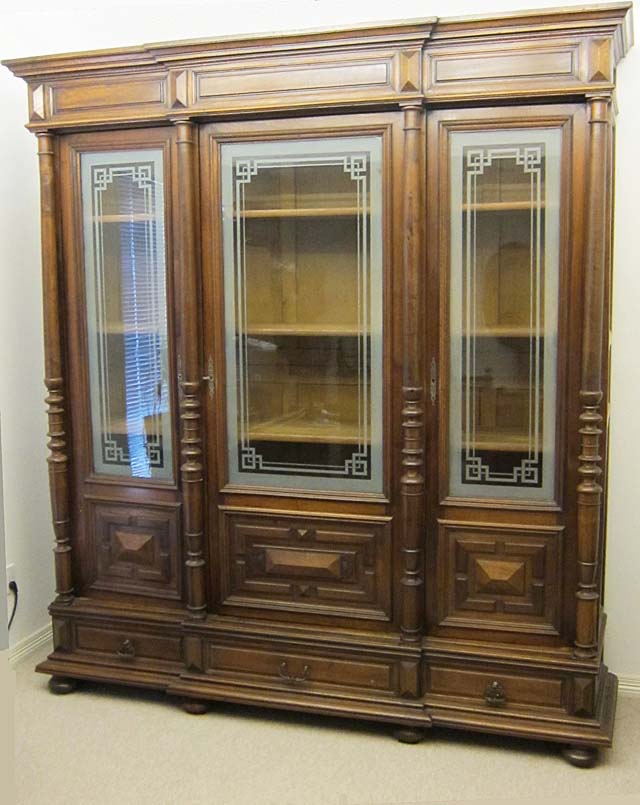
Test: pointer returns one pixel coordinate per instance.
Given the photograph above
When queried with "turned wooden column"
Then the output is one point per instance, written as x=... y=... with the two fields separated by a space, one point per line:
x=58 y=460
x=589 y=469
x=190 y=379
x=412 y=484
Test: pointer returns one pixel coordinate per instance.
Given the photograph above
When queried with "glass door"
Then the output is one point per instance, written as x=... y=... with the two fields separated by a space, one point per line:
x=125 y=279
x=504 y=273
x=303 y=287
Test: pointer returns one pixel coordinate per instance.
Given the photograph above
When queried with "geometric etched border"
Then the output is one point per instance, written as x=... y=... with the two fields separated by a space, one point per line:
x=358 y=166
x=500 y=577
x=526 y=467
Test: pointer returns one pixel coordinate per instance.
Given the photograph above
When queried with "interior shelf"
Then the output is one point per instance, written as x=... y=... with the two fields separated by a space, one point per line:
x=506 y=331
x=120 y=426
x=501 y=441
x=122 y=329
x=303 y=329
x=303 y=212
x=300 y=426
x=126 y=218
x=500 y=206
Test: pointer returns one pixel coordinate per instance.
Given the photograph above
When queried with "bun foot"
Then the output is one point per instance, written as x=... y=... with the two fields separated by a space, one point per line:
x=584 y=757
x=409 y=735
x=60 y=685
x=194 y=707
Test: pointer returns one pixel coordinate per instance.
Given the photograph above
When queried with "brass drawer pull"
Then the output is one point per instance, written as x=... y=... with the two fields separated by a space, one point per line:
x=284 y=674
x=127 y=650
x=495 y=695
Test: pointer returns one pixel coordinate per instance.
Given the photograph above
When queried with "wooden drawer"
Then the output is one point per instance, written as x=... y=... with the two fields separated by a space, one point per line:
x=311 y=565
x=496 y=688
x=129 y=647
x=301 y=668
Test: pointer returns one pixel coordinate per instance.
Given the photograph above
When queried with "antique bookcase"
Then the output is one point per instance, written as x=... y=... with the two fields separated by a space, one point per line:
x=326 y=323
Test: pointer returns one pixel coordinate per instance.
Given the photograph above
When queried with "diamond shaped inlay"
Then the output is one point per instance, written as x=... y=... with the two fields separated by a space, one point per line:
x=134 y=546
x=500 y=576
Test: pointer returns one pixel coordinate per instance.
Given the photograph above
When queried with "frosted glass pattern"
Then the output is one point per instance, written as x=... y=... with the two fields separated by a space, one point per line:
x=505 y=193
x=302 y=224
x=125 y=275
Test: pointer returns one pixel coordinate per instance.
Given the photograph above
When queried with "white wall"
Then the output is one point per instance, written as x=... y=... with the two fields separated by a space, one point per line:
x=7 y=676
x=42 y=26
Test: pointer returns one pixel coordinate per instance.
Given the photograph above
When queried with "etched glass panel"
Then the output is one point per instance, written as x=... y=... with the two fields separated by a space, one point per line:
x=125 y=276
x=302 y=224
x=505 y=194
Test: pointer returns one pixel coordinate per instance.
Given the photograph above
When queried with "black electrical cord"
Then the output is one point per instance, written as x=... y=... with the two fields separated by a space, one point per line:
x=14 y=589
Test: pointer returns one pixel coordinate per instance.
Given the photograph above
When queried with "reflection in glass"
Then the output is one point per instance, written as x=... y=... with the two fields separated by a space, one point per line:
x=303 y=296
x=505 y=191
x=125 y=275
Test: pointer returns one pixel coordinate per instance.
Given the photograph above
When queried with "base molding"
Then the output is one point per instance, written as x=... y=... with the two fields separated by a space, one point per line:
x=400 y=712
x=470 y=687
x=629 y=684
x=28 y=645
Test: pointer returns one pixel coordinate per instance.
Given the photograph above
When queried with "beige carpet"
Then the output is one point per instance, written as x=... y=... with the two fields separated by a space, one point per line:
x=113 y=745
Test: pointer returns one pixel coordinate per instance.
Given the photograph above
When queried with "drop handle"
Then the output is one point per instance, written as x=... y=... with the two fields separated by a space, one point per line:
x=495 y=695
x=127 y=650
x=283 y=671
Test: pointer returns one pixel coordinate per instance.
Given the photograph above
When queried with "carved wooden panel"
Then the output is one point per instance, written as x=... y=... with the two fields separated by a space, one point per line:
x=499 y=68
x=584 y=695
x=497 y=689
x=338 y=567
x=62 y=634
x=300 y=669
x=268 y=82
x=136 y=549
x=110 y=97
x=498 y=577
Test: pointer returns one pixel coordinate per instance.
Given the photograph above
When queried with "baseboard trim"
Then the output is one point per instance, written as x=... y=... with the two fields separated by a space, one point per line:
x=629 y=684
x=29 y=644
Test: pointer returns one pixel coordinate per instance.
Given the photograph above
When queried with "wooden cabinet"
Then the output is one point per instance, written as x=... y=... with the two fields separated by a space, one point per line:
x=326 y=322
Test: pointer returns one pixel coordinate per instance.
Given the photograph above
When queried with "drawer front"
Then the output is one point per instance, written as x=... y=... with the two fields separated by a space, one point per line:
x=307 y=565
x=497 y=689
x=130 y=647
x=502 y=578
x=291 y=667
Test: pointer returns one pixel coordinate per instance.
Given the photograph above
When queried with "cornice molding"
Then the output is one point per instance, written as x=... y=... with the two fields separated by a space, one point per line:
x=614 y=19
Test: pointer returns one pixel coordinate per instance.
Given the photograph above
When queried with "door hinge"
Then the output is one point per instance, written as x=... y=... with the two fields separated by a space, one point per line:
x=433 y=382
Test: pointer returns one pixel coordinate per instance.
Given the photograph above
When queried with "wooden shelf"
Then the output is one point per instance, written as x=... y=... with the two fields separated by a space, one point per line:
x=499 y=206
x=501 y=441
x=505 y=331
x=303 y=212
x=122 y=329
x=126 y=218
x=119 y=426
x=299 y=427
x=303 y=329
